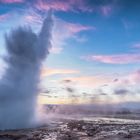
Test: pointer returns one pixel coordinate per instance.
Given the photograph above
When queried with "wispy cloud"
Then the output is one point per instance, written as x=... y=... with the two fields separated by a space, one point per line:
x=134 y=77
x=54 y=71
x=75 y=28
x=126 y=88
x=65 y=30
x=55 y=5
x=127 y=24
x=69 y=5
x=33 y=17
x=4 y=17
x=90 y=81
x=62 y=30
x=56 y=50
x=106 y=10
x=136 y=45
x=114 y=59
x=11 y=1
x=77 y=5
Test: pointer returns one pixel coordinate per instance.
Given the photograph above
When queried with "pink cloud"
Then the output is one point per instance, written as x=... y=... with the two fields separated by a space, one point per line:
x=136 y=46
x=69 y=29
x=135 y=77
x=106 y=10
x=75 y=6
x=33 y=17
x=62 y=31
x=75 y=28
x=11 y=1
x=114 y=59
x=131 y=79
x=65 y=30
x=56 y=50
x=91 y=81
x=55 y=5
x=4 y=17
x=69 y=5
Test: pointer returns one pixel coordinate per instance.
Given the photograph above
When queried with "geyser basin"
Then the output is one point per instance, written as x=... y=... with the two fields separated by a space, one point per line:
x=18 y=86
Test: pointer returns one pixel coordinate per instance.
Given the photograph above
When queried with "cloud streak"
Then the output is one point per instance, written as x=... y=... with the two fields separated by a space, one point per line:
x=90 y=81
x=67 y=30
x=54 y=71
x=62 y=30
x=136 y=46
x=61 y=5
x=134 y=77
x=104 y=8
x=11 y=1
x=4 y=17
x=114 y=59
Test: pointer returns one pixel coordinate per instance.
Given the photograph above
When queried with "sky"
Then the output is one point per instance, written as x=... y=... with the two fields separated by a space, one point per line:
x=95 y=54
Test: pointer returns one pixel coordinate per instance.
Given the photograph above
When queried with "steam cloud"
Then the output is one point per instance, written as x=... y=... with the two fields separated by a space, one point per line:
x=19 y=84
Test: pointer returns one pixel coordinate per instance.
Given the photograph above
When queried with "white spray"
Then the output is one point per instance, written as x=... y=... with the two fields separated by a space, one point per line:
x=19 y=84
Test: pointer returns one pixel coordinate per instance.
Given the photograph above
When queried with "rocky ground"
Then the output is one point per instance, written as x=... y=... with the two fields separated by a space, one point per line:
x=76 y=129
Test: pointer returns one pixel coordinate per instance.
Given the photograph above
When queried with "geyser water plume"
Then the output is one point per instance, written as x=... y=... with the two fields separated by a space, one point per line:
x=19 y=84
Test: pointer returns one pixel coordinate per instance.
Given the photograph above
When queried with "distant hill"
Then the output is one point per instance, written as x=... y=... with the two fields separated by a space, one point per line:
x=121 y=108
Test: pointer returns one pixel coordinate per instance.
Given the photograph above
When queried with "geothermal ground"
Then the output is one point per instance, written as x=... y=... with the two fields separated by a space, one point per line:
x=79 y=128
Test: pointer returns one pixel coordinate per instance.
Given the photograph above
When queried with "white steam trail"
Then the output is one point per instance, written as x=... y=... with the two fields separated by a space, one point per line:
x=19 y=85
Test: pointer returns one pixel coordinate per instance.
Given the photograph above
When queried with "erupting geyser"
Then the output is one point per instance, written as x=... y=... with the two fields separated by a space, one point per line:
x=19 y=84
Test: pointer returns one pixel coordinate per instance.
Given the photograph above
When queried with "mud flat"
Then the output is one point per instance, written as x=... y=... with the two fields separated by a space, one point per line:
x=79 y=129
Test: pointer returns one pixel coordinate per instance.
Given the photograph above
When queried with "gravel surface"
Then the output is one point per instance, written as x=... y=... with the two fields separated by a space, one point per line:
x=76 y=129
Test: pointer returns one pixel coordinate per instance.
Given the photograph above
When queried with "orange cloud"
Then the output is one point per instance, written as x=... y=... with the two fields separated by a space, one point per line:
x=51 y=71
x=45 y=100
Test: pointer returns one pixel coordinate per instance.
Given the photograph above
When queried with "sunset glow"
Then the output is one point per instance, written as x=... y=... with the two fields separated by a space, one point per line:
x=95 y=54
